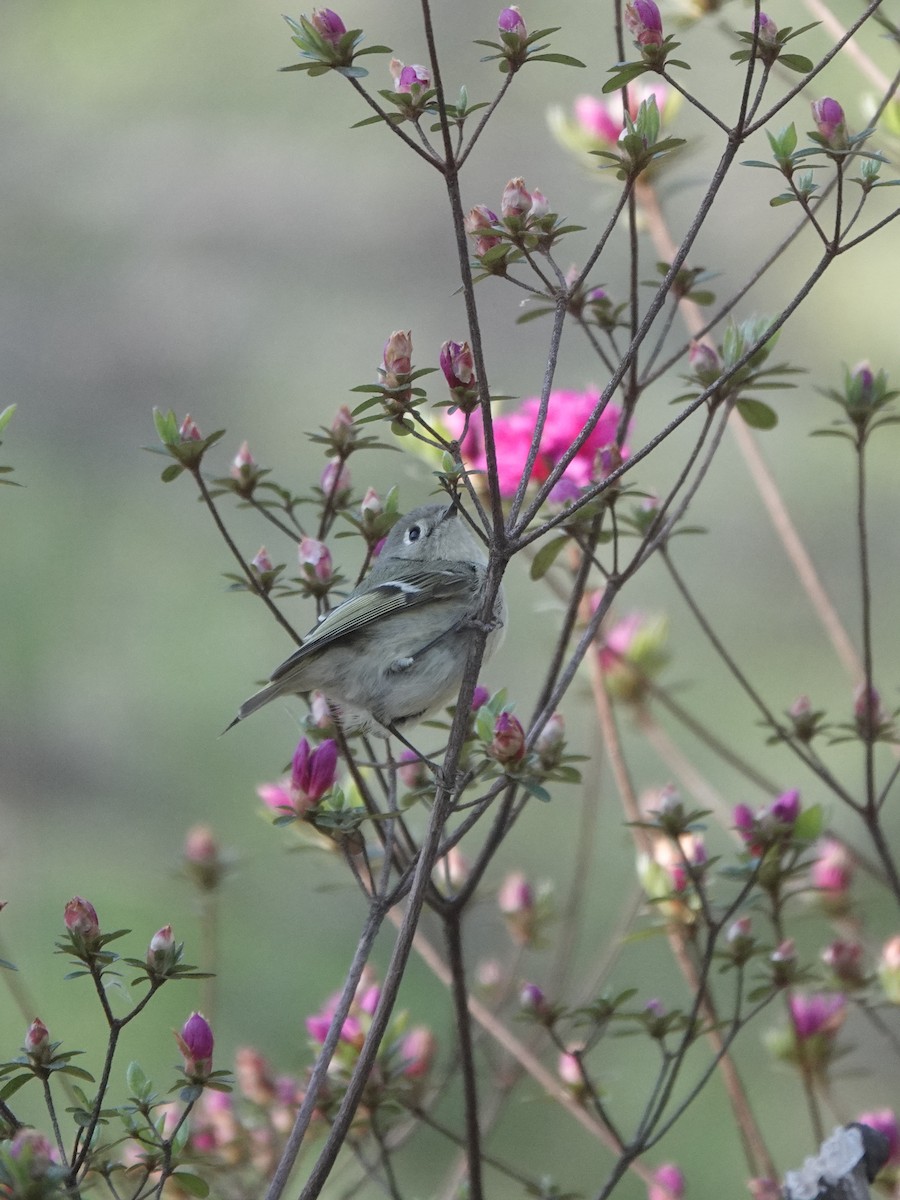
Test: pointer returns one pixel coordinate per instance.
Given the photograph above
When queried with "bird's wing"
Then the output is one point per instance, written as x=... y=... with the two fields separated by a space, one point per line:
x=428 y=583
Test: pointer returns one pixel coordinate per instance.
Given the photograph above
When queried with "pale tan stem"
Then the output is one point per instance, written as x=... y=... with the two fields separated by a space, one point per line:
x=759 y=472
x=836 y=31
x=755 y=1148
x=754 y=1144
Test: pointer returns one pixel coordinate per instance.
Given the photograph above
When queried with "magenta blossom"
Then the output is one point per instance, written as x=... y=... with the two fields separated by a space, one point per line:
x=328 y=24
x=567 y=414
x=413 y=78
x=817 y=1013
x=313 y=772
x=510 y=22
x=668 y=1183
x=644 y=22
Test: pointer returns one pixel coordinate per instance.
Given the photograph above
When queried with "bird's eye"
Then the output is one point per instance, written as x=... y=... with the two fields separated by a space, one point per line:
x=413 y=533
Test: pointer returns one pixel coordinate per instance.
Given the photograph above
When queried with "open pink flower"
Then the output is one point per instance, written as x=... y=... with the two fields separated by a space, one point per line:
x=566 y=417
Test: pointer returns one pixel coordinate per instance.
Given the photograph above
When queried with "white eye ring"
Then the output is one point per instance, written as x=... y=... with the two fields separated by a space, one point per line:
x=413 y=533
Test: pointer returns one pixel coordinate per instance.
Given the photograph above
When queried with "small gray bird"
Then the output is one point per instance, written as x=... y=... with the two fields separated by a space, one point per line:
x=395 y=650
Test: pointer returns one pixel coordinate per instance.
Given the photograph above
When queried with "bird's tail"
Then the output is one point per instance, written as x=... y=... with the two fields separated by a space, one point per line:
x=257 y=700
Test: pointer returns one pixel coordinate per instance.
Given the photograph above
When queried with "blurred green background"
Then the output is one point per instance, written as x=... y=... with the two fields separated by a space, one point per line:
x=182 y=226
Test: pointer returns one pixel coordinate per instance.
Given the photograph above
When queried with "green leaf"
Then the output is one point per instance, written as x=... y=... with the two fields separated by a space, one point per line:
x=546 y=556
x=192 y=1184
x=796 y=62
x=172 y=471
x=756 y=414
x=809 y=823
x=13 y=1085
x=6 y=416
x=565 y=60
x=138 y=1083
x=623 y=75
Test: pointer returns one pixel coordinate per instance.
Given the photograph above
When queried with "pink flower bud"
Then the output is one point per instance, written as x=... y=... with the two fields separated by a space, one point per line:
x=412 y=770
x=867 y=711
x=884 y=1121
x=37 y=1041
x=480 y=697
x=532 y=999
x=668 y=1183
x=413 y=79
x=417 y=1052
x=644 y=22
x=189 y=431
x=276 y=796
x=817 y=1013
x=830 y=122
x=762 y=1188
x=739 y=937
x=845 y=961
x=517 y=904
x=479 y=223
x=452 y=870
x=767 y=30
x=551 y=741
x=398 y=354
x=313 y=772
x=786 y=808
x=38 y=1156
x=458 y=365
x=516 y=199
x=328 y=24
x=516 y=895
x=508 y=744
x=540 y=206
x=335 y=481
x=203 y=857
x=371 y=505
x=705 y=363
x=254 y=1076
x=161 y=951
x=243 y=463
x=343 y=429
x=261 y=560
x=832 y=871
x=568 y=1067
x=889 y=969
x=196 y=1045
x=488 y=975
x=510 y=22
x=315 y=560
x=81 y=919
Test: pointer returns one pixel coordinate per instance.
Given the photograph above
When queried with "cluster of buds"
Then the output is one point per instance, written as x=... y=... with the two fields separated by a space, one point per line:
x=404 y=1059
x=30 y=1166
x=670 y=872
x=313 y=772
x=525 y=223
x=768 y=826
x=325 y=43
